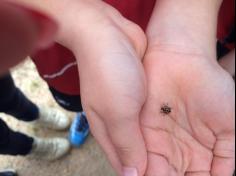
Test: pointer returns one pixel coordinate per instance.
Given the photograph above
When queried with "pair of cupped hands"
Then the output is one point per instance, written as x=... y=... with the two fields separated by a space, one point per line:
x=156 y=108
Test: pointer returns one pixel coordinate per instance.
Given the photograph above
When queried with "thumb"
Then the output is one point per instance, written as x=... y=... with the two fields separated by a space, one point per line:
x=128 y=141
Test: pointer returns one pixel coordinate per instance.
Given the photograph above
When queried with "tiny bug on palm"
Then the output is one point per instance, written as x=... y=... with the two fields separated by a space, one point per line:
x=166 y=109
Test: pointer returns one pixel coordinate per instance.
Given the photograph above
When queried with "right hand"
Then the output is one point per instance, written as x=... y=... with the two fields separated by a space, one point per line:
x=109 y=50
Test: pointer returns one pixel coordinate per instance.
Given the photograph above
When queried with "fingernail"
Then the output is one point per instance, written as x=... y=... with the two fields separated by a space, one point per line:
x=130 y=171
x=46 y=26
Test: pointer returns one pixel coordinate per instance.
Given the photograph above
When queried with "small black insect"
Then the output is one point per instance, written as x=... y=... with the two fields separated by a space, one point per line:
x=166 y=109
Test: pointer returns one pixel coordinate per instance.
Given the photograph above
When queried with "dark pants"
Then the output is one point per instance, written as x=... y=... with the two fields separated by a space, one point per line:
x=68 y=102
x=8 y=173
x=14 y=103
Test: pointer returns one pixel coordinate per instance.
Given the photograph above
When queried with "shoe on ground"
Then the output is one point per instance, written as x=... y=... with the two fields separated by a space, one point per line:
x=53 y=119
x=8 y=172
x=49 y=149
x=79 y=130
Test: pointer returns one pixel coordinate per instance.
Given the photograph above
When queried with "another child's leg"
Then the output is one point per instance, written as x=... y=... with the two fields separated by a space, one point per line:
x=8 y=173
x=69 y=102
x=79 y=130
x=14 y=143
x=15 y=103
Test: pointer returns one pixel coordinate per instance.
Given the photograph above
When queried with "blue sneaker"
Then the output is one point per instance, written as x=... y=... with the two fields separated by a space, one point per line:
x=79 y=130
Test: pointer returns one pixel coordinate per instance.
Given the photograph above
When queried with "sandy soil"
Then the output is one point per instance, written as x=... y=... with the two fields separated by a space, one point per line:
x=86 y=161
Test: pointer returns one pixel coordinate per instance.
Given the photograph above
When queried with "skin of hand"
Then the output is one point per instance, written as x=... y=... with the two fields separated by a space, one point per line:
x=195 y=136
x=22 y=31
x=113 y=85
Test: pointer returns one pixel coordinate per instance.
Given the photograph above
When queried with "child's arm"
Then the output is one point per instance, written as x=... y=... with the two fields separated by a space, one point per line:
x=22 y=31
x=58 y=10
x=187 y=24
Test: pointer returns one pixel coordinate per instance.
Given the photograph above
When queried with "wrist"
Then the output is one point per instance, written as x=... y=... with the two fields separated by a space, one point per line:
x=80 y=21
x=190 y=26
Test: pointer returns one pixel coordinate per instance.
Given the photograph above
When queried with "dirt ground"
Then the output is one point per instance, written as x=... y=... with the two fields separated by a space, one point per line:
x=86 y=161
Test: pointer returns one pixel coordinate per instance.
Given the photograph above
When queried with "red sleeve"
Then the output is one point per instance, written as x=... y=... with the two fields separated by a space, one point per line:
x=226 y=20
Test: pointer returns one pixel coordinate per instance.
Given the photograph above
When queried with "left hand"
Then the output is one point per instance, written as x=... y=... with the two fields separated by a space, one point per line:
x=197 y=138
